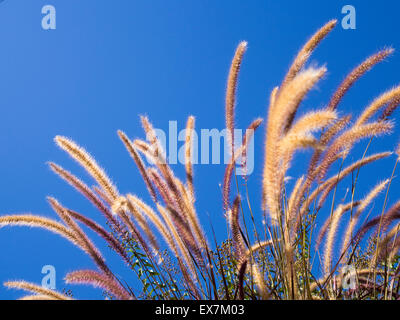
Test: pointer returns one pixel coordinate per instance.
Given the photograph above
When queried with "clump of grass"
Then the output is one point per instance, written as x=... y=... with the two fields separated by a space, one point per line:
x=277 y=263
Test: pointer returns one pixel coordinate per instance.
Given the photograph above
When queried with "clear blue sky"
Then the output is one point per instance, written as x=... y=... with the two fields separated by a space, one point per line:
x=109 y=61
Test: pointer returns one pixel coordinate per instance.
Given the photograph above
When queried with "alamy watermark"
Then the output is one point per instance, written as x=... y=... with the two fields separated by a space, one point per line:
x=49 y=18
x=49 y=280
x=209 y=146
x=349 y=277
x=349 y=20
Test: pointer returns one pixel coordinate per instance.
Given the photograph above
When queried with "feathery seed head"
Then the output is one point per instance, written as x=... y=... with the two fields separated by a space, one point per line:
x=87 y=162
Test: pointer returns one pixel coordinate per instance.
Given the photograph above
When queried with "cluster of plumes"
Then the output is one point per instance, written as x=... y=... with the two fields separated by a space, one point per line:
x=285 y=135
x=174 y=217
x=128 y=216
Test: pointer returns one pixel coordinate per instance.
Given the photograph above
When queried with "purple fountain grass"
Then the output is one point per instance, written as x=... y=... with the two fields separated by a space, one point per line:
x=276 y=265
x=43 y=293
x=97 y=279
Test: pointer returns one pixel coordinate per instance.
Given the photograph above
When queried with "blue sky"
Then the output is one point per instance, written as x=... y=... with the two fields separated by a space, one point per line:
x=109 y=61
